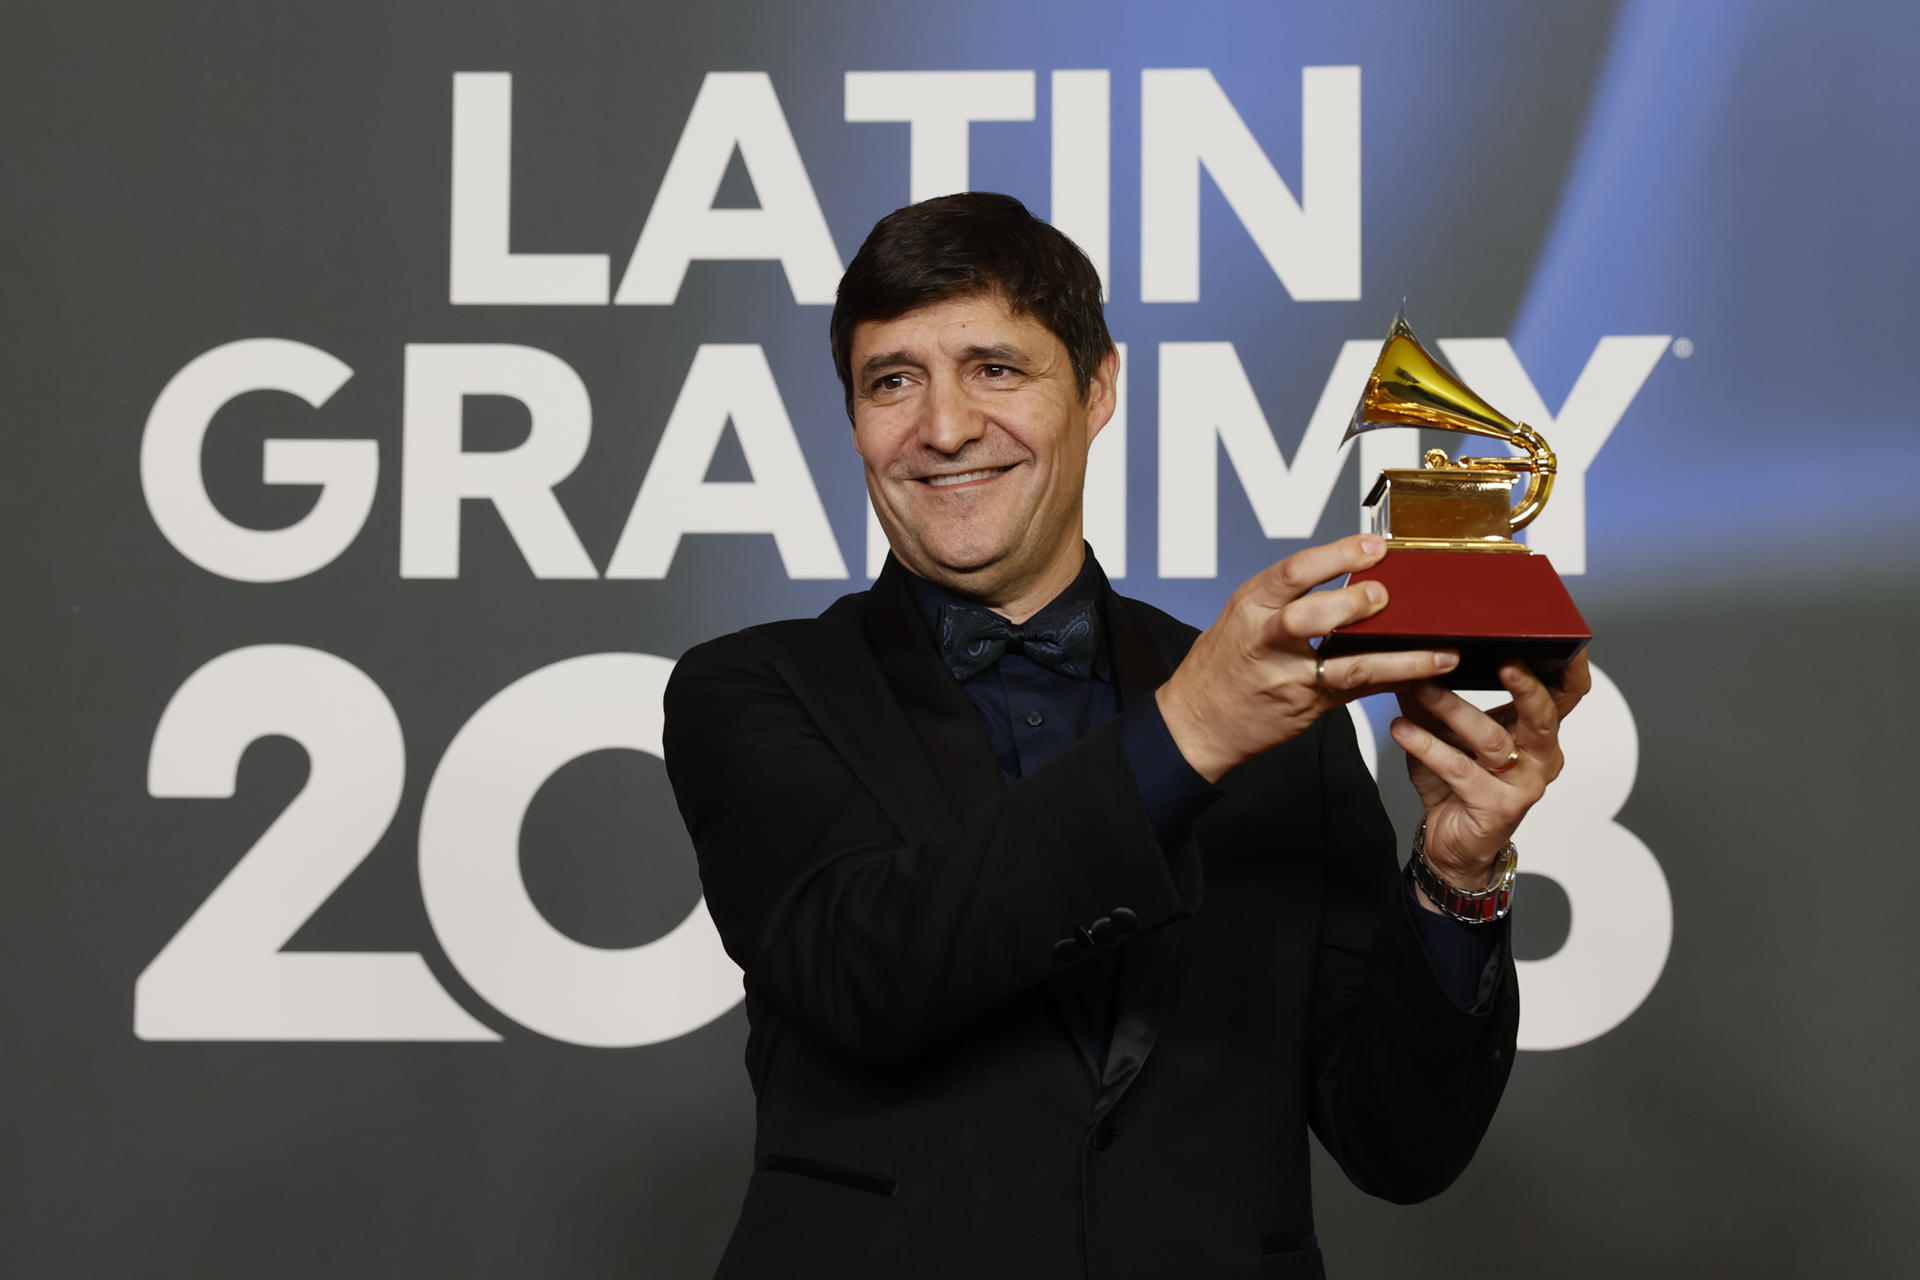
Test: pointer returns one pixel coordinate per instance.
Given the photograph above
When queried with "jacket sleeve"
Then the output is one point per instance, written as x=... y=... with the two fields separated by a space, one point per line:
x=880 y=947
x=1405 y=1081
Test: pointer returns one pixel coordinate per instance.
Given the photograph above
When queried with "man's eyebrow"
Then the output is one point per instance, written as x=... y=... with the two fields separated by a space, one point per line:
x=885 y=360
x=998 y=353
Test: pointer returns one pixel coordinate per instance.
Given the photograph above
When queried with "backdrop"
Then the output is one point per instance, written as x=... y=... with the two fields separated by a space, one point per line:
x=394 y=391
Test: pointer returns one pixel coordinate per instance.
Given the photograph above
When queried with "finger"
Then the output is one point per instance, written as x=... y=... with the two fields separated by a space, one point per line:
x=1467 y=726
x=1427 y=785
x=1415 y=710
x=1315 y=614
x=1536 y=718
x=1452 y=768
x=1360 y=674
x=1575 y=682
x=1281 y=584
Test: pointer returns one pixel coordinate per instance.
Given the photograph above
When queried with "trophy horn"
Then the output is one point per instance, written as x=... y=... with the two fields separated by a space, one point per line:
x=1410 y=388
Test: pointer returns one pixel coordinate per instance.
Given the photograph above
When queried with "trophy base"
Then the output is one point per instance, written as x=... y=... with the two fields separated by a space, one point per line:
x=1493 y=608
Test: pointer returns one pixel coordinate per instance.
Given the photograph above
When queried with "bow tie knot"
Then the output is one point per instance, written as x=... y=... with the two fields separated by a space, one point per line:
x=1065 y=638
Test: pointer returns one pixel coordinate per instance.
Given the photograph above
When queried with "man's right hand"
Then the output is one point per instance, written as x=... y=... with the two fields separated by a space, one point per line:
x=1249 y=682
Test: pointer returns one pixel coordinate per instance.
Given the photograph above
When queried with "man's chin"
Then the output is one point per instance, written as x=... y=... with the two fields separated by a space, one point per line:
x=967 y=567
x=947 y=548
x=964 y=565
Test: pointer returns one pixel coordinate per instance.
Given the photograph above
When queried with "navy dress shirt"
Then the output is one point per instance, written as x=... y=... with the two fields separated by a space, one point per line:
x=1032 y=713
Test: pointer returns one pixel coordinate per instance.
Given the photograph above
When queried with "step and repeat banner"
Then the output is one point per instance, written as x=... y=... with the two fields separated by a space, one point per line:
x=394 y=391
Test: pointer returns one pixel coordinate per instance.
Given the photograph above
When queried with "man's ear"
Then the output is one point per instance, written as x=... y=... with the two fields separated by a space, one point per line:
x=1103 y=393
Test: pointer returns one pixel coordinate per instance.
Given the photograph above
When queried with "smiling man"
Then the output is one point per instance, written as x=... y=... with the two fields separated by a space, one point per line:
x=1061 y=922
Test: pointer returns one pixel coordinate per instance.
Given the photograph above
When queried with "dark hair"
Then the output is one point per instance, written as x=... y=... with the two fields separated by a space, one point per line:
x=959 y=245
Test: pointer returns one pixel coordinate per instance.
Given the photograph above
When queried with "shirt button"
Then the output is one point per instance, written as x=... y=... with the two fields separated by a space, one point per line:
x=1035 y=719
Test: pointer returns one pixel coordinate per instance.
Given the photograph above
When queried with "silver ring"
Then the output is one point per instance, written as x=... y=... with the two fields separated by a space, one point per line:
x=1320 y=671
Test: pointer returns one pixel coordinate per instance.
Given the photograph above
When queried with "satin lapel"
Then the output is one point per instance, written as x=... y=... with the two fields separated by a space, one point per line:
x=1151 y=965
x=849 y=696
x=1139 y=666
x=936 y=706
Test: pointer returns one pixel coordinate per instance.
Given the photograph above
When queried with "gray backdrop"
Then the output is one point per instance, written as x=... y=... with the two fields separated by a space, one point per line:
x=406 y=1042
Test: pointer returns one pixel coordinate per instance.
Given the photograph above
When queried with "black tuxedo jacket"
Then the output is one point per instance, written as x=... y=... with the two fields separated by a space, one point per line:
x=928 y=1099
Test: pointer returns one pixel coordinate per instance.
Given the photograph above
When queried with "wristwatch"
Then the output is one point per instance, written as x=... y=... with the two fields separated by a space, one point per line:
x=1476 y=906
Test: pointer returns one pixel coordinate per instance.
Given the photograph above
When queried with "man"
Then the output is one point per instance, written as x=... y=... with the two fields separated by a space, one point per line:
x=1059 y=936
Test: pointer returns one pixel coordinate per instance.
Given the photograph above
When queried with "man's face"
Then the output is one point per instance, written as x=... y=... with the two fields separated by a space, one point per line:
x=975 y=443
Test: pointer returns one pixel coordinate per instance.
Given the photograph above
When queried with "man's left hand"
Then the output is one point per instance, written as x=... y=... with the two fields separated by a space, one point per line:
x=1463 y=763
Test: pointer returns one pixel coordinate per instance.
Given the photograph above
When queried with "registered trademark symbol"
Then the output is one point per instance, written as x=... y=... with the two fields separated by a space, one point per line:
x=1682 y=348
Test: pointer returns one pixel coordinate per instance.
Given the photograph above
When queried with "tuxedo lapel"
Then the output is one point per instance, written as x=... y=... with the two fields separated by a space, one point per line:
x=1139 y=666
x=1151 y=963
x=936 y=706
x=860 y=713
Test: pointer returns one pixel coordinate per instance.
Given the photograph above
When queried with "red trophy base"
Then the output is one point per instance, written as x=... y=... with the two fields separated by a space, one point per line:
x=1492 y=606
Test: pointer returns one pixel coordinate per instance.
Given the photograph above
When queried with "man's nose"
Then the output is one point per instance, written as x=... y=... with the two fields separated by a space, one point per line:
x=950 y=419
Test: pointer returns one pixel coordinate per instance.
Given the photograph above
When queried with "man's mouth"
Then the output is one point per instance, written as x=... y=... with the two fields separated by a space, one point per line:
x=963 y=477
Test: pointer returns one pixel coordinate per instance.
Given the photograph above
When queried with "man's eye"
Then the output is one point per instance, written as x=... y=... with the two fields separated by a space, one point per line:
x=890 y=382
x=998 y=370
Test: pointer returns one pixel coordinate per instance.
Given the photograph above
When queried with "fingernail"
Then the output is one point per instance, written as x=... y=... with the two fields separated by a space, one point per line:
x=1376 y=594
x=1445 y=661
x=1370 y=545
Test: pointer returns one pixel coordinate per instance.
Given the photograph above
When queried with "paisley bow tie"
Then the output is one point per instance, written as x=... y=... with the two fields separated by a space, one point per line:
x=1065 y=638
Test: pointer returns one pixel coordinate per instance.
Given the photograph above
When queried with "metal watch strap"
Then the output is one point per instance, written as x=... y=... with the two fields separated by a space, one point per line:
x=1468 y=906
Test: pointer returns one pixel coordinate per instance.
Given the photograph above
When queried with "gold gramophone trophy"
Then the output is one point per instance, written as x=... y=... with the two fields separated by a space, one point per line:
x=1455 y=578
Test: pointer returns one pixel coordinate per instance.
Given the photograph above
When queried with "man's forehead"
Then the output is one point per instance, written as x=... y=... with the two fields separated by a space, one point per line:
x=952 y=327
